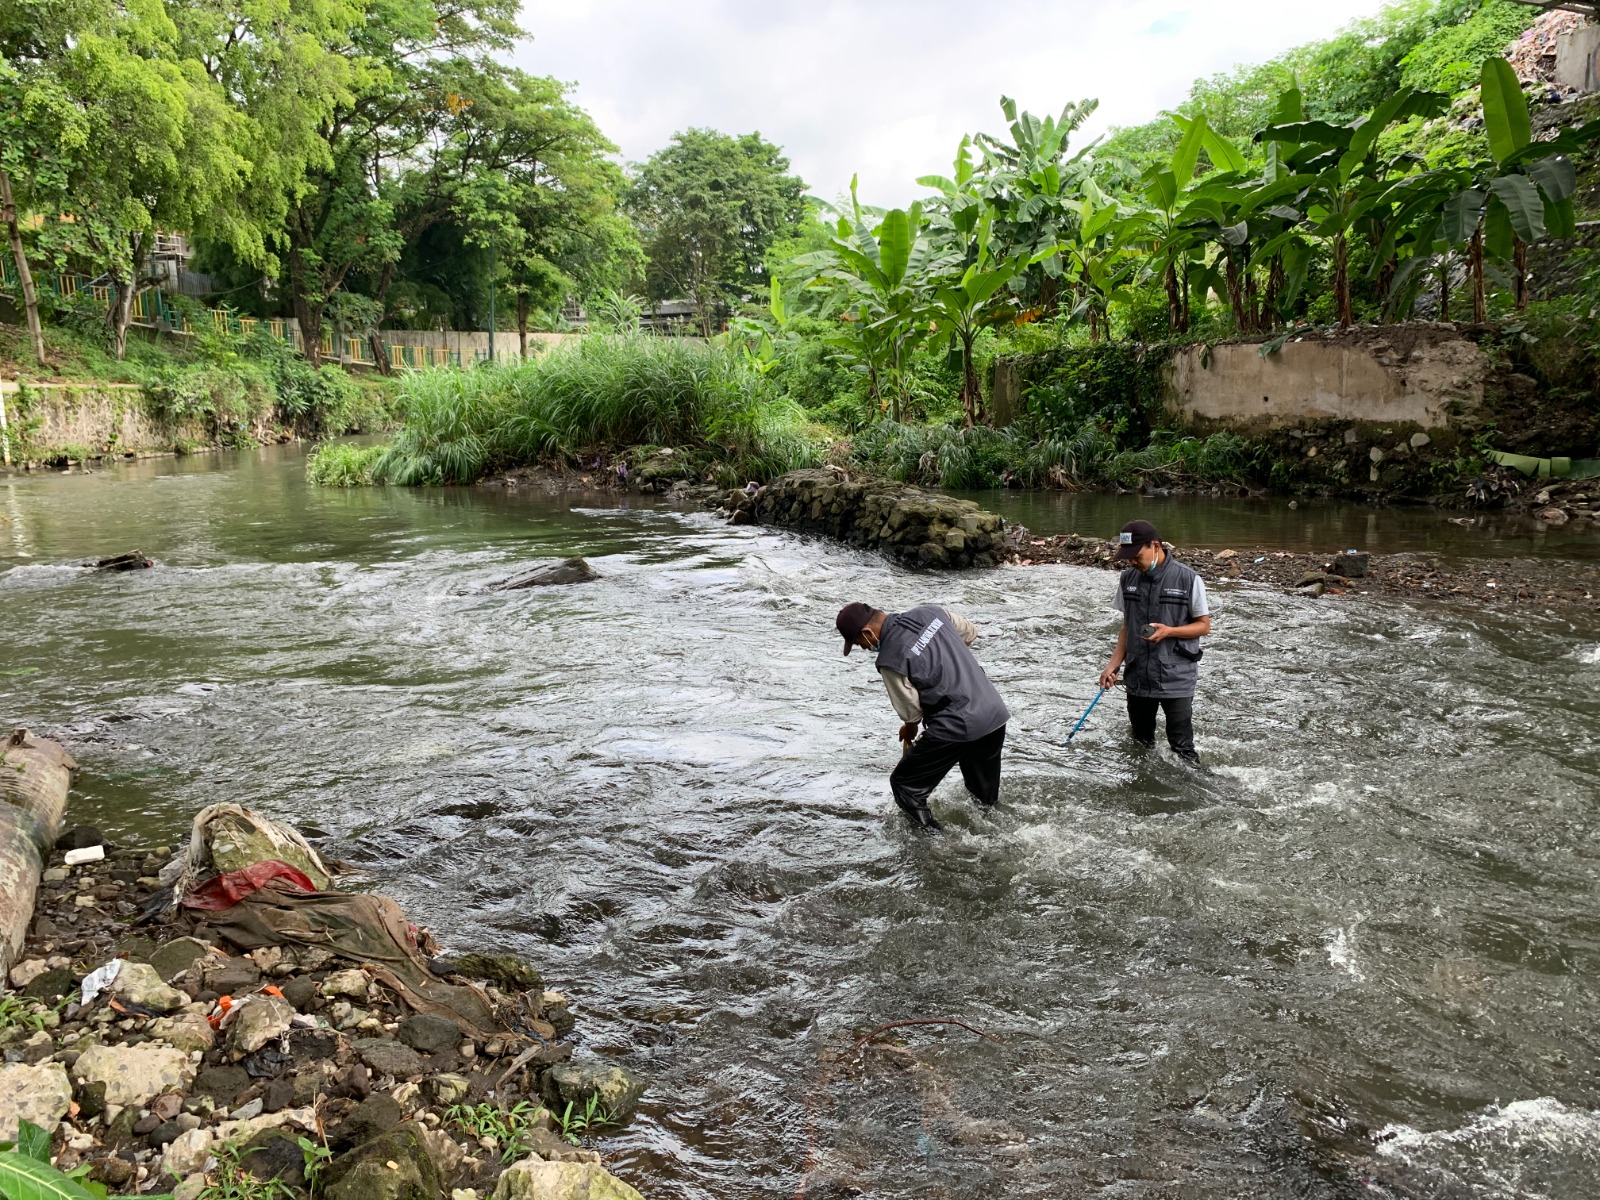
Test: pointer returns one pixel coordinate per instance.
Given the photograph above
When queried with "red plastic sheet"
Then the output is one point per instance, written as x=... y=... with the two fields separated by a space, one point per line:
x=224 y=891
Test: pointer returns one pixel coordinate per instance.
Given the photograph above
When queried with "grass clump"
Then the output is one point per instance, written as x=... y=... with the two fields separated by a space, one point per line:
x=343 y=464
x=606 y=391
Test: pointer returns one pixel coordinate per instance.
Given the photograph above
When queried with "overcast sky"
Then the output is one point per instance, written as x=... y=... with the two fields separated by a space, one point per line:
x=886 y=89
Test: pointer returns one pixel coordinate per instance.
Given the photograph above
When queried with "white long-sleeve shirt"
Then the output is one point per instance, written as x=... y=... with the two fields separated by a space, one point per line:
x=904 y=696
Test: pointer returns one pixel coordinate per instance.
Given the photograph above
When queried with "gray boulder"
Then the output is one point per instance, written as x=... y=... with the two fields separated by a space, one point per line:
x=40 y=1093
x=134 y=1074
x=617 y=1089
x=141 y=984
x=259 y=1019
x=535 y=1179
x=429 y=1034
x=394 y=1166
x=173 y=960
x=390 y=1058
x=566 y=570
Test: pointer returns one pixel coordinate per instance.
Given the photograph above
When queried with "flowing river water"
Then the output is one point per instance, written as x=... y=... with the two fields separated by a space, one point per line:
x=1359 y=957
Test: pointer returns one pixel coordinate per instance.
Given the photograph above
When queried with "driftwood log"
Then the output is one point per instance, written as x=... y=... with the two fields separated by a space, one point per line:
x=35 y=774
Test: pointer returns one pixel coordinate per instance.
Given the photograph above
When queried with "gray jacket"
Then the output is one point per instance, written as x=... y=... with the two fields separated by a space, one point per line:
x=959 y=704
x=1167 y=670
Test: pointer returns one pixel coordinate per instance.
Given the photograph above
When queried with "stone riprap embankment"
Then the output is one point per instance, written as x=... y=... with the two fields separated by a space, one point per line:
x=910 y=525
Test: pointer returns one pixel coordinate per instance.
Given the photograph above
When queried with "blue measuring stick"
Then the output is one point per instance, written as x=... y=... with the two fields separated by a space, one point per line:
x=1085 y=716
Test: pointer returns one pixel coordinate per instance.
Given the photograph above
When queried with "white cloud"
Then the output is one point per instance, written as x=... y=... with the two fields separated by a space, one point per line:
x=887 y=89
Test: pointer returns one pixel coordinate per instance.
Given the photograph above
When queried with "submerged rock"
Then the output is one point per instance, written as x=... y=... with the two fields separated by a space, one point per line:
x=566 y=570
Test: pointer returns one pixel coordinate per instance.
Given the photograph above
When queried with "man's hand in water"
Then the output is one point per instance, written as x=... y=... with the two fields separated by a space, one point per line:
x=908 y=732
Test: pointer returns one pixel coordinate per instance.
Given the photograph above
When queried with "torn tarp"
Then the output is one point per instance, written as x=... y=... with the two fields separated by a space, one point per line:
x=370 y=930
x=259 y=883
x=224 y=891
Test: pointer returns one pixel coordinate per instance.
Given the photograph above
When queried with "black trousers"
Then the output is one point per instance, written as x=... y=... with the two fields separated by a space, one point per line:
x=1180 y=723
x=924 y=766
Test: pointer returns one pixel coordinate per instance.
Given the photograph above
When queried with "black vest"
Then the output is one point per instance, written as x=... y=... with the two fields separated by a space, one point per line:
x=1167 y=670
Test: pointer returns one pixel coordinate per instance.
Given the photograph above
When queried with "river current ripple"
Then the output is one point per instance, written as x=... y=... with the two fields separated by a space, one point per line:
x=1358 y=958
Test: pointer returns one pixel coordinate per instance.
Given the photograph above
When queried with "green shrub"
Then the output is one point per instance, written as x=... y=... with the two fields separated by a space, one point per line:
x=1450 y=59
x=1028 y=454
x=343 y=464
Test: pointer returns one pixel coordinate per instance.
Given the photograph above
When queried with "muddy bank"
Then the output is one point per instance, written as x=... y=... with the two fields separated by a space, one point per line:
x=1537 y=585
x=178 y=1054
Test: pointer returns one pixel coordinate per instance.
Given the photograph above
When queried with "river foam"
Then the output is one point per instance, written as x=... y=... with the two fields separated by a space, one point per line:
x=1526 y=1150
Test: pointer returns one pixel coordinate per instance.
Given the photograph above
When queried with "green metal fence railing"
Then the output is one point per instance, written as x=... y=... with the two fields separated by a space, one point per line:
x=153 y=308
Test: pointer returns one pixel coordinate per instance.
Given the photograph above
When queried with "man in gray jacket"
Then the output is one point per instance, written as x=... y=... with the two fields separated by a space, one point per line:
x=933 y=680
x=1165 y=613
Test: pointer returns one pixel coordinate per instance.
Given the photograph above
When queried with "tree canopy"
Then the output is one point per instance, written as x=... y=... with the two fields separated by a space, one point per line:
x=708 y=206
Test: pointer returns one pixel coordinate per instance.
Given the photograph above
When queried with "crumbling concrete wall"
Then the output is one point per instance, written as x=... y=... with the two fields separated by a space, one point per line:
x=1578 y=59
x=910 y=525
x=1416 y=375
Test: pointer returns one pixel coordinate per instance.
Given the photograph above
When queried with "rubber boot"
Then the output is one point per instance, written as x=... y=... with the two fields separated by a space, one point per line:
x=920 y=816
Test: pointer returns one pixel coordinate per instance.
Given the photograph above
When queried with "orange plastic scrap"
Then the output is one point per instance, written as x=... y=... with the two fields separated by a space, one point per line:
x=271 y=990
x=224 y=1003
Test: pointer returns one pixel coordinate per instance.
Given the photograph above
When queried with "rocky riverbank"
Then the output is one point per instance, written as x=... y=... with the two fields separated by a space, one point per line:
x=1561 y=585
x=167 y=1057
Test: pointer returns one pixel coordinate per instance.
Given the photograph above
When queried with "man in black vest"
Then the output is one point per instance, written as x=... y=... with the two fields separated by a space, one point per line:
x=933 y=679
x=1165 y=614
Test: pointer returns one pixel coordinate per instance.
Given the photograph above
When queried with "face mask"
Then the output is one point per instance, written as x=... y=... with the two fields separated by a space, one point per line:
x=1151 y=567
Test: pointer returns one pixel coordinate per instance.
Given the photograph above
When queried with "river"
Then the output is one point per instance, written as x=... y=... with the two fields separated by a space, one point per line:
x=1357 y=958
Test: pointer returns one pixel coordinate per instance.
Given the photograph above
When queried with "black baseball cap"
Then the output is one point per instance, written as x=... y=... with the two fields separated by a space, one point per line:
x=1135 y=534
x=852 y=619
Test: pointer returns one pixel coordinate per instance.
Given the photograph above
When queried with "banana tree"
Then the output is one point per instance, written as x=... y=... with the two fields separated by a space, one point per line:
x=1103 y=263
x=1033 y=188
x=1341 y=177
x=971 y=293
x=1165 y=226
x=871 y=274
x=1524 y=194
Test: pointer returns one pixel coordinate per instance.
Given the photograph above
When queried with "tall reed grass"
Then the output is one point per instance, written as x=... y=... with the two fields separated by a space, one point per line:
x=604 y=391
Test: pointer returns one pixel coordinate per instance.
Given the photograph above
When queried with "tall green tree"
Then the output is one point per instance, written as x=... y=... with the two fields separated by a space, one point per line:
x=708 y=206
x=340 y=217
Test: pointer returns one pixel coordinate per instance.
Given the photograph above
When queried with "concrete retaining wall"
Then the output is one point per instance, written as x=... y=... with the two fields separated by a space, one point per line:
x=1578 y=59
x=49 y=420
x=1424 y=376
x=910 y=525
x=473 y=345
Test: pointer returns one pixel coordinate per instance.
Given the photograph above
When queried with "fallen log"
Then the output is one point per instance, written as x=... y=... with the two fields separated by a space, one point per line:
x=35 y=774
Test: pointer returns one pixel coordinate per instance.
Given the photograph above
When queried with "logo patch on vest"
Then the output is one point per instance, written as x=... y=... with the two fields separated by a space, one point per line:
x=927 y=636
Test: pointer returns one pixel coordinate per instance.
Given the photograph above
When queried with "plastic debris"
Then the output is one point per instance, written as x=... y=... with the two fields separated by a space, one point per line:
x=99 y=979
x=89 y=854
